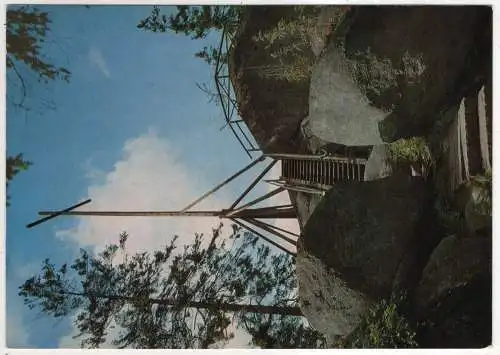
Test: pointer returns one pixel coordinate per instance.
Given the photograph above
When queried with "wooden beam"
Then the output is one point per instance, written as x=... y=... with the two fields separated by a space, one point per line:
x=136 y=213
x=483 y=129
x=282 y=211
x=268 y=229
x=250 y=229
x=229 y=179
x=57 y=213
x=257 y=200
x=281 y=229
x=252 y=185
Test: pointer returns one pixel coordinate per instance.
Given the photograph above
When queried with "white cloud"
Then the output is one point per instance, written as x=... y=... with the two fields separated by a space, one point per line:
x=96 y=58
x=151 y=176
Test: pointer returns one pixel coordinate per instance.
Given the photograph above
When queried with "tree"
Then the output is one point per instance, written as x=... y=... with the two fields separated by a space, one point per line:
x=162 y=300
x=197 y=22
x=277 y=331
x=26 y=32
x=13 y=167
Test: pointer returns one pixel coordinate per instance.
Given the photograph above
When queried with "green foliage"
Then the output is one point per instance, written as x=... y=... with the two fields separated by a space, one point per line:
x=289 y=44
x=26 y=32
x=383 y=326
x=378 y=77
x=197 y=22
x=167 y=298
x=27 y=28
x=414 y=151
x=14 y=165
x=282 y=332
x=374 y=75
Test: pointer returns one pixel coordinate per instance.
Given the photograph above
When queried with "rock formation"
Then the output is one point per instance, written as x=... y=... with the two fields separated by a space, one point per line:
x=381 y=73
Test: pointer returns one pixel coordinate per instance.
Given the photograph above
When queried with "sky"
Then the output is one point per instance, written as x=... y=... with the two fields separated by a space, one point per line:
x=131 y=131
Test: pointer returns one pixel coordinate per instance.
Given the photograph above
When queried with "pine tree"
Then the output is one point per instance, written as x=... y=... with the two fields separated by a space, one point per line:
x=170 y=299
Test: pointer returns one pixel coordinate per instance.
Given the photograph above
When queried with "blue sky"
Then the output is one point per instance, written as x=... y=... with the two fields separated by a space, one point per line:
x=131 y=130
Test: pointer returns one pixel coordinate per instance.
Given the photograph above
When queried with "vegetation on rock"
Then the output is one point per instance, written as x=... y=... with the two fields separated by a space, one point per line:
x=412 y=152
x=382 y=326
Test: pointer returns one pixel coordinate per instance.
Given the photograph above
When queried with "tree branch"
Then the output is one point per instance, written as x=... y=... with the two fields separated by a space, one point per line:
x=13 y=66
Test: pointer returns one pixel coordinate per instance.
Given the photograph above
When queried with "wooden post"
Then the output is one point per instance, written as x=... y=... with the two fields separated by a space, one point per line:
x=483 y=129
x=252 y=185
x=241 y=224
x=57 y=213
x=229 y=179
x=257 y=200
x=268 y=228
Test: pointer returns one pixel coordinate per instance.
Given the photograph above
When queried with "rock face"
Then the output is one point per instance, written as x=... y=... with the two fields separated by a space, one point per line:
x=338 y=111
x=272 y=108
x=454 y=294
x=329 y=304
x=386 y=72
x=377 y=166
x=393 y=69
x=362 y=231
x=413 y=61
x=306 y=204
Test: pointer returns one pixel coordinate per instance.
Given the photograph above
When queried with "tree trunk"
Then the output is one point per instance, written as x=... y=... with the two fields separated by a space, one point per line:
x=227 y=307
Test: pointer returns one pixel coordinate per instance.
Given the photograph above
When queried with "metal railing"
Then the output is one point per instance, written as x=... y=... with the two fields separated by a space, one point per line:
x=319 y=171
x=227 y=97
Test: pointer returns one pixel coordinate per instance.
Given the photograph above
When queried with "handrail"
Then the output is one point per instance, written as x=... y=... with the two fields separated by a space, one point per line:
x=228 y=100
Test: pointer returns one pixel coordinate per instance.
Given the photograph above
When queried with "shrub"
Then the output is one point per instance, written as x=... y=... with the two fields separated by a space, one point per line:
x=288 y=44
x=414 y=152
x=382 y=326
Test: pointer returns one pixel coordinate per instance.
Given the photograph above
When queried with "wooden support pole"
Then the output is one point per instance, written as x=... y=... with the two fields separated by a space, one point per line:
x=234 y=176
x=252 y=185
x=241 y=224
x=297 y=188
x=268 y=228
x=57 y=213
x=462 y=133
x=483 y=129
x=281 y=211
x=281 y=229
x=257 y=200
x=137 y=213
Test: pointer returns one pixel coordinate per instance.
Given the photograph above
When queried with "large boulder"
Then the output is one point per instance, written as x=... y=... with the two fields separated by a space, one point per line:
x=271 y=107
x=339 y=112
x=454 y=295
x=331 y=306
x=363 y=231
x=394 y=68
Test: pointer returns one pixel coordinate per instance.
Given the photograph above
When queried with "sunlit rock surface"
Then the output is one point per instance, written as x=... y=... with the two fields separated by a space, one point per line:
x=329 y=304
x=338 y=111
